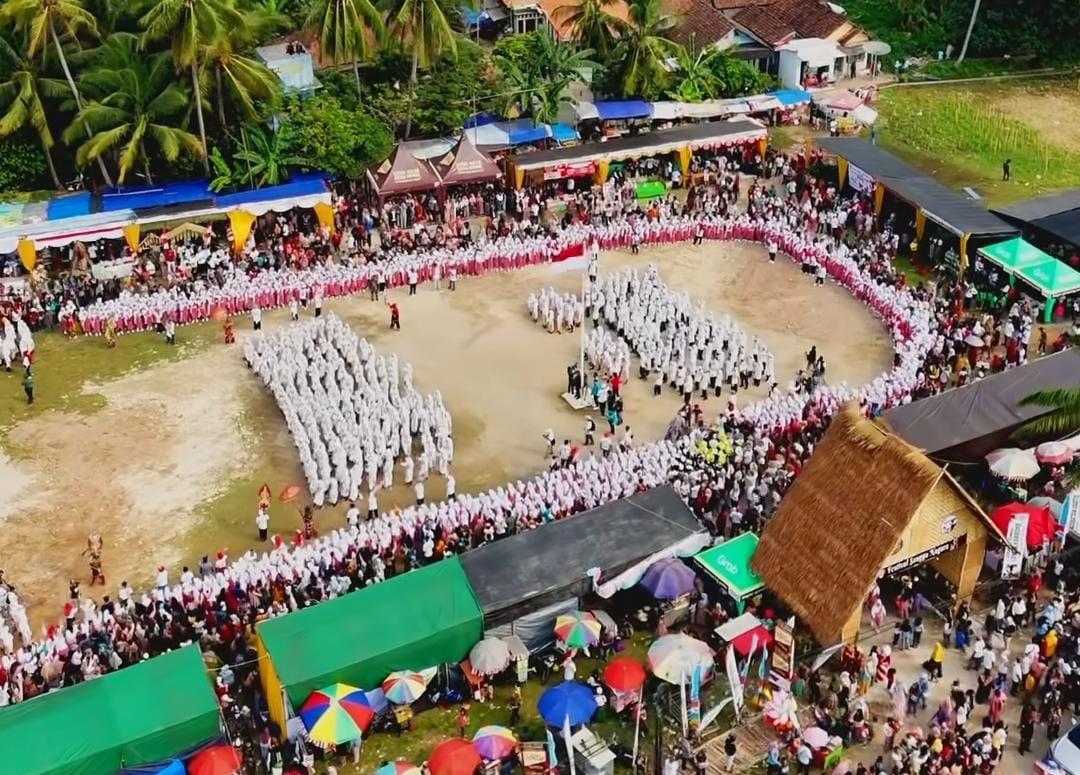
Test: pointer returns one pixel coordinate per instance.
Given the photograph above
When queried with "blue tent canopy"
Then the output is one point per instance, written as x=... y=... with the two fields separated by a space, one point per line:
x=474 y=17
x=563 y=133
x=292 y=190
x=612 y=110
x=480 y=119
x=68 y=206
x=789 y=97
x=524 y=131
x=143 y=197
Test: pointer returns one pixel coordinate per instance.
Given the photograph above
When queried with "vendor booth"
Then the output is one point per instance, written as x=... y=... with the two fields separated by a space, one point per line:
x=409 y=622
x=1021 y=260
x=401 y=173
x=820 y=553
x=728 y=564
x=146 y=713
x=946 y=226
x=594 y=159
x=465 y=164
x=1054 y=218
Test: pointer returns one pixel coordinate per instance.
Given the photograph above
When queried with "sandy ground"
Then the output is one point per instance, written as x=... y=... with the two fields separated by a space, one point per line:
x=169 y=469
x=1054 y=114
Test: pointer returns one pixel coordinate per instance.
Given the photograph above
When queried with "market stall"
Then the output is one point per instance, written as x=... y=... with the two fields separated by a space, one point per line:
x=401 y=173
x=1050 y=277
x=728 y=564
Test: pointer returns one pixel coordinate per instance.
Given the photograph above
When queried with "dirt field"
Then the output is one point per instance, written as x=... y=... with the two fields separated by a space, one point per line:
x=169 y=468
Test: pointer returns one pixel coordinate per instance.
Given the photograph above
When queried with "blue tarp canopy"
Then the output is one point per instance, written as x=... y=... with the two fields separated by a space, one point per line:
x=143 y=197
x=68 y=206
x=292 y=190
x=613 y=110
x=473 y=17
x=789 y=97
x=505 y=133
x=564 y=133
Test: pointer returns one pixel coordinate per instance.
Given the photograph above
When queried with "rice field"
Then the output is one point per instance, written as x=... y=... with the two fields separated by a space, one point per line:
x=962 y=135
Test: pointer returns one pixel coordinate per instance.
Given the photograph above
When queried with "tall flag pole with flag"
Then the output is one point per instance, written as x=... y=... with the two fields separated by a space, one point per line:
x=682 y=702
x=693 y=707
x=569 y=745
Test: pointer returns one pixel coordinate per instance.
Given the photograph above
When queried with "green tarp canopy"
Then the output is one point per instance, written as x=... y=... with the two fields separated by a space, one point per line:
x=419 y=619
x=141 y=714
x=729 y=563
x=1048 y=275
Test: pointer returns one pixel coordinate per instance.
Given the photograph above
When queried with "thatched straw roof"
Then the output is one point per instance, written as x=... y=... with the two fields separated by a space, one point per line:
x=842 y=518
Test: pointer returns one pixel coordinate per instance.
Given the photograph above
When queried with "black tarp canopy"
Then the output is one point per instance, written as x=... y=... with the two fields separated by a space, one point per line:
x=528 y=571
x=940 y=203
x=980 y=417
x=1056 y=214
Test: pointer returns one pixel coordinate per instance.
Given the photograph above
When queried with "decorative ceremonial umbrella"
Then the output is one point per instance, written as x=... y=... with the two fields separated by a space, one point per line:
x=624 y=675
x=454 y=757
x=672 y=658
x=494 y=742
x=668 y=579
x=490 y=656
x=336 y=714
x=216 y=760
x=579 y=629
x=571 y=700
x=1013 y=465
x=404 y=687
x=289 y=493
x=1055 y=453
x=399 y=767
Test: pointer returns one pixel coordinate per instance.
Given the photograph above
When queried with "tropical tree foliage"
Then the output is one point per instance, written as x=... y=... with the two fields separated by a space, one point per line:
x=23 y=95
x=644 y=48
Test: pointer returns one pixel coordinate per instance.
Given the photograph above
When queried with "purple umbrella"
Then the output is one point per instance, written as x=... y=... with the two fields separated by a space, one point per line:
x=668 y=579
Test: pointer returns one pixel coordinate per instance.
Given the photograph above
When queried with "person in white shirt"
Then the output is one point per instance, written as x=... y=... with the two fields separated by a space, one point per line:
x=262 y=522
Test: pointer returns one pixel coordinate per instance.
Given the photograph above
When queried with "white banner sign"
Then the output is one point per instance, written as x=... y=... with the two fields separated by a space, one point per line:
x=1070 y=513
x=1012 y=563
x=859 y=180
x=731 y=667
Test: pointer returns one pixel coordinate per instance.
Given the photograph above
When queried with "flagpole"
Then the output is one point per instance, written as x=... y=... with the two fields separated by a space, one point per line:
x=682 y=700
x=637 y=728
x=569 y=745
x=581 y=356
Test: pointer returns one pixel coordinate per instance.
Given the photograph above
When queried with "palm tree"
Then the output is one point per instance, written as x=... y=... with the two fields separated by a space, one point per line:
x=191 y=25
x=22 y=96
x=591 y=23
x=1063 y=418
x=39 y=20
x=695 y=78
x=136 y=101
x=644 y=47
x=343 y=27
x=242 y=79
x=266 y=156
x=558 y=64
x=424 y=27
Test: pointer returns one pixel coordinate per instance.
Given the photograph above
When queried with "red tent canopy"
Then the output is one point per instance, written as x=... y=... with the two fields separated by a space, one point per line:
x=1041 y=522
x=465 y=163
x=402 y=173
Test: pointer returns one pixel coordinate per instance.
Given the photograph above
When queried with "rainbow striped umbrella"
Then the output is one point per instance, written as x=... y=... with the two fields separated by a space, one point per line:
x=399 y=767
x=404 y=687
x=579 y=629
x=494 y=742
x=337 y=714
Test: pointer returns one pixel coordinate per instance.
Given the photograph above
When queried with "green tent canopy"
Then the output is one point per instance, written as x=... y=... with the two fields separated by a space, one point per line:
x=1013 y=254
x=419 y=619
x=729 y=563
x=1052 y=278
x=141 y=714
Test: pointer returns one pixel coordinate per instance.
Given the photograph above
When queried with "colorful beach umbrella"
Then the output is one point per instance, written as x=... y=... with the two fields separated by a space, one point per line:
x=624 y=675
x=216 y=760
x=399 y=767
x=454 y=757
x=672 y=658
x=404 y=687
x=668 y=579
x=494 y=742
x=337 y=714
x=490 y=656
x=1012 y=464
x=571 y=700
x=1055 y=453
x=579 y=629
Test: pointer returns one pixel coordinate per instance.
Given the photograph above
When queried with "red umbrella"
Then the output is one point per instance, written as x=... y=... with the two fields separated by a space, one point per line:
x=624 y=675
x=216 y=760
x=1040 y=521
x=454 y=757
x=744 y=641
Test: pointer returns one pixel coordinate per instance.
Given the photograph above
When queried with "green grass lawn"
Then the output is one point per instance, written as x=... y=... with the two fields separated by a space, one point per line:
x=962 y=135
x=66 y=369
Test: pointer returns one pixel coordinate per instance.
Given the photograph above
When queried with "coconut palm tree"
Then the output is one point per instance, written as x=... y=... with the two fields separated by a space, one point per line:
x=644 y=47
x=135 y=101
x=1063 y=418
x=241 y=80
x=343 y=27
x=695 y=78
x=424 y=27
x=43 y=21
x=23 y=95
x=190 y=25
x=266 y=156
x=592 y=24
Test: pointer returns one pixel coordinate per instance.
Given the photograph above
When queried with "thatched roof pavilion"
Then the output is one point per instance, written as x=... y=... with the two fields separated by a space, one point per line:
x=865 y=503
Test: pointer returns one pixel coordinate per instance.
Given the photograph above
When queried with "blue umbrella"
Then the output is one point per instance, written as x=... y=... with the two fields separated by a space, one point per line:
x=569 y=700
x=668 y=579
x=175 y=767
